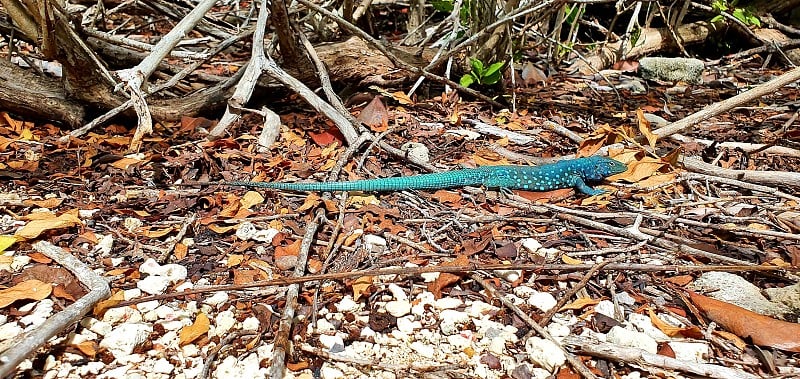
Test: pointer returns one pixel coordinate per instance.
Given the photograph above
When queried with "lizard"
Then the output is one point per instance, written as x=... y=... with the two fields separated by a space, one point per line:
x=571 y=173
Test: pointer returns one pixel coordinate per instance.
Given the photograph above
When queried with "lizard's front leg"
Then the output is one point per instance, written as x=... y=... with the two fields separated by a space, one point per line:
x=582 y=187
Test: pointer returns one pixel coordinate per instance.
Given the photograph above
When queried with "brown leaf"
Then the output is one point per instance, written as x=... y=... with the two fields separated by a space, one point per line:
x=445 y=278
x=31 y=289
x=34 y=228
x=191 y=332
x=763 y=330
x=103 y=305
x=532 y=75
x=360 y=286
x=644 y=128
x=447 y=197
x=375 y=115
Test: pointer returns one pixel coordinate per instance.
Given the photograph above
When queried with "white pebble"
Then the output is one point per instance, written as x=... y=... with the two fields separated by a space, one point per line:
x=531 y=244
x=39 y=315
x=422 y=349
x=333 y=343
x=448 y=303
x=223 y=323
x=397 y=292
x=605 y=308
x=324 y=326
x=691 y=351
x=543 y=301
x=153 y=284
x=451 y=321
x=131 y=294
x=100 y=327
x=408 y=325
x=251 y=324
x=478 y=309
x=509 y=275
x=217 y=299
x=429 y=277
x=621 y=336
x=544 y=353
x=346 y=304
x=645 y=325
x=9 y=331
x=374 y=244
x=124 y=338
x=524 y=291
x=329 y=372
x=117 y=315
x=398 y=308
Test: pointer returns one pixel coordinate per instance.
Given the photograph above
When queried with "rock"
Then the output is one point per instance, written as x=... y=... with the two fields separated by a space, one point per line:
x=333 y=343
x=448 y=303
x=691 y=351
x=423 y=350
x=153 y=284
x=124 y=338
x=398 y=308
x=734 y=289
x=531 y=244
x=625 y=337
x=542 y=301
x=689 y=70
x=329 y=372
x=217 y=299
x=544 y=353
x=347 y=305
x=450 y=321
x=645 y=325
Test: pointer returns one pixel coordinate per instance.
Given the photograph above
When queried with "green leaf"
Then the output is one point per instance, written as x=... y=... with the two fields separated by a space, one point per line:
x=445 y=6
x=466 y=80
x=716 y=18
x=492 y=78
x=477 y=66
x=494 y=68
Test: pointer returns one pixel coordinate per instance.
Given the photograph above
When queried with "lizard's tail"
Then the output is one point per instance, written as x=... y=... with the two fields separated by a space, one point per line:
x=449 y=179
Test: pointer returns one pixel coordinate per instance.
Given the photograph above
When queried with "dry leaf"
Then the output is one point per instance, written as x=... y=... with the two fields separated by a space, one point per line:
x=580 y=303
x=763 y=330
x=251 y=198
x=644 y=128
x=445 y=279
x=30 y=289
x=235 y=260
x=360 y=286
x=192 y=332
x=181 y=251
x=88 y=348
x=34 y=228
x=46 y=203
x=447 y=197
x=375 y=115
x=6 y=242
x=312 y=200
x=103 y=305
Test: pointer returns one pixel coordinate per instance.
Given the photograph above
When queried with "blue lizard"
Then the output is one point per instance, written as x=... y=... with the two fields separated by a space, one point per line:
x=572 y=173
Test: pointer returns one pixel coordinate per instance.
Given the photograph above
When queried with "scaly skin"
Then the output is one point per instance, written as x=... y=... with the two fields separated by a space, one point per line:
x=573 y=173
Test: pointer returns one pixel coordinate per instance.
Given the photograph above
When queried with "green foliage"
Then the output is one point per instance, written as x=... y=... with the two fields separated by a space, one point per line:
x=445 y=6
x=635 y=34
x=481 y=74
x=742 y=14
x=573 y=13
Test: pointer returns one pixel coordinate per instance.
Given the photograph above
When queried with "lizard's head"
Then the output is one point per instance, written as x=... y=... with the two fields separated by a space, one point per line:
x=599 y=168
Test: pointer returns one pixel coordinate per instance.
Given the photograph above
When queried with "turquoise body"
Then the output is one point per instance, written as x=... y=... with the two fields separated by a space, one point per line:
x=572 y=173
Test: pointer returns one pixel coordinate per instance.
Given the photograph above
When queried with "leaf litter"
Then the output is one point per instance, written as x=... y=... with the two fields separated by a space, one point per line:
x=92 y=185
